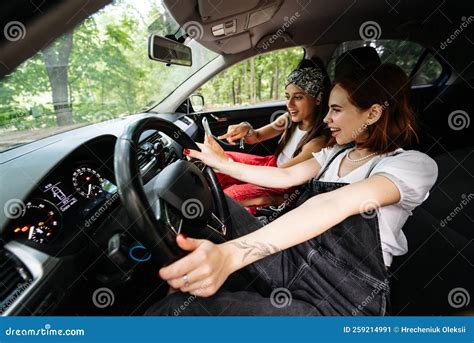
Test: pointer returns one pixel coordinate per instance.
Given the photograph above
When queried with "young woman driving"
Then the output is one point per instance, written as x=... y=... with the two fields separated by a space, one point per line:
x=328 y=256
x=301 y=128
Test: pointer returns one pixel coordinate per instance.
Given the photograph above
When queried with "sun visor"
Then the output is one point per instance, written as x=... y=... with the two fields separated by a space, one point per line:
x=235 y=44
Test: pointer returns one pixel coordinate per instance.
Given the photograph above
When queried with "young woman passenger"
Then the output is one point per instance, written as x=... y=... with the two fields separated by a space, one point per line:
x=328 y=256
x=301 y=129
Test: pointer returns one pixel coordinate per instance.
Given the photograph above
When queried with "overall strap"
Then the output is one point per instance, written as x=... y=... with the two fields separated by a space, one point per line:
x=330 y=161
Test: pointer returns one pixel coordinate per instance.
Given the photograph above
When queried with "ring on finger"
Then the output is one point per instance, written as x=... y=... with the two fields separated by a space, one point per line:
x=185 y=280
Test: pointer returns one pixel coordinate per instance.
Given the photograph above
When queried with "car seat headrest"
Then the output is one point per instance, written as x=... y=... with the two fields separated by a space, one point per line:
x=365 y=58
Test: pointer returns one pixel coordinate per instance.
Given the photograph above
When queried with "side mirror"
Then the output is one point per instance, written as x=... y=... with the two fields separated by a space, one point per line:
x=197 y=101
x=166 y=50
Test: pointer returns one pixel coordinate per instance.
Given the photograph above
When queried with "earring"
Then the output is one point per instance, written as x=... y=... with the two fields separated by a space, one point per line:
x=364 y=126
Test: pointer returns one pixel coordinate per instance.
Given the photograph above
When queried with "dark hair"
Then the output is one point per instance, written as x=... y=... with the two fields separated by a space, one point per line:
x=388 y=86
x=318 y=128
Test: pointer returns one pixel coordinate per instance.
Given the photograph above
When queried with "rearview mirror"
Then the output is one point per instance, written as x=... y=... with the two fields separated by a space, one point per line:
x=166 y=50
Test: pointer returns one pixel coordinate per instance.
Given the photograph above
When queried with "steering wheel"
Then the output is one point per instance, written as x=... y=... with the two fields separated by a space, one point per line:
x=184 y=197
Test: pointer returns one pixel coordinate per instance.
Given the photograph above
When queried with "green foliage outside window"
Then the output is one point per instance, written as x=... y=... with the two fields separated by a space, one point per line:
x=255 y=80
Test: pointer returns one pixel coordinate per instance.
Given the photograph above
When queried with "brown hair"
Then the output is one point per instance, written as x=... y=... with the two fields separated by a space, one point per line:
x=389 y=87
x=318 y=128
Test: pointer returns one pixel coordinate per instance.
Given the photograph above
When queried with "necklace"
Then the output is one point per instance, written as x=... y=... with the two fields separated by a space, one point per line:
x=359 y=159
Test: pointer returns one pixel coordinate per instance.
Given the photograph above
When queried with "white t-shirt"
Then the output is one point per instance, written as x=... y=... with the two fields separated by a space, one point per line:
x=287 y=153
x=413 y=172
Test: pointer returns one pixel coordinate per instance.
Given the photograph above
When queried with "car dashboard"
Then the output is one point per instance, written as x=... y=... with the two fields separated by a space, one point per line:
x=58 y=191
x=67 y=201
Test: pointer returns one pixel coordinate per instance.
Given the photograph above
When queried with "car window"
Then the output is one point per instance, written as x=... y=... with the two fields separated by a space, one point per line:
x=429 y=72
x=256 y=80
x=98 y=71
x=404 y=54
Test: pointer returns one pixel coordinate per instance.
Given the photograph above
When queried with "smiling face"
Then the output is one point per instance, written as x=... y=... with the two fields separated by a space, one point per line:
x=300 y=104
x=345 y=120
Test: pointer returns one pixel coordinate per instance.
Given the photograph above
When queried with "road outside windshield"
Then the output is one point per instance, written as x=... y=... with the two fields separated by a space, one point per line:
x=97 y=72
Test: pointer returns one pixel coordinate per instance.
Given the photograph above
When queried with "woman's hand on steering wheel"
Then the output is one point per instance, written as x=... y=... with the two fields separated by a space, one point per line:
x=211 y=153
x=210 y=142
x=203 y=271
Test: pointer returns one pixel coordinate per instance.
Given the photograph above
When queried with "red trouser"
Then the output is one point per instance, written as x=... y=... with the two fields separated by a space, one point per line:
x=240 y=191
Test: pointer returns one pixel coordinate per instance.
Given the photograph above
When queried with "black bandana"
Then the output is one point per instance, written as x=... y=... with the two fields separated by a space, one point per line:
x=309 y=79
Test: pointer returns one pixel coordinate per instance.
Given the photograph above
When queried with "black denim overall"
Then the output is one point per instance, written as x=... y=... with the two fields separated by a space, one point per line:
x=342 y=268
x=340 y=272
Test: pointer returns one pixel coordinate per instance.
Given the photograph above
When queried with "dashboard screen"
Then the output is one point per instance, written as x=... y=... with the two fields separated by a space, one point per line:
x=63 y=201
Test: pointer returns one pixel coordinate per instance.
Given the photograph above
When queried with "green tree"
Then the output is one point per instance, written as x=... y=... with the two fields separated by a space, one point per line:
x=56 y=61
x=258 y=79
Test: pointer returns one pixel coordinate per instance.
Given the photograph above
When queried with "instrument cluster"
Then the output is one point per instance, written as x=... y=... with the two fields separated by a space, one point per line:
x=62 y=205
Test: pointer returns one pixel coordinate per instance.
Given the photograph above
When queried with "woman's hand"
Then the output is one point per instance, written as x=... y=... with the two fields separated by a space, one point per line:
x=210 y=142
x=211 y=153
x=235 y=132
x=203 y=271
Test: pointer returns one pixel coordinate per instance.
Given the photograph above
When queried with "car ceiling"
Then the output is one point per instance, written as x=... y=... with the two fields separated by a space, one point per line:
x=426 y=22
x=429 y=23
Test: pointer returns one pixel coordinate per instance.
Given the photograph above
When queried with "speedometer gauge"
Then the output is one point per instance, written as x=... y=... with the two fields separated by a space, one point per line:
x=40 y=222
x=87 y=182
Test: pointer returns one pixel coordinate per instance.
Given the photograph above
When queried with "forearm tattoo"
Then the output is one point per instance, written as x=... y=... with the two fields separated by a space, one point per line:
x=258 y=249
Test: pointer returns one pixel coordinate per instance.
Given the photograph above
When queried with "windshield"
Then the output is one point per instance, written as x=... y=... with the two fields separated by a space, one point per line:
x=97 y=72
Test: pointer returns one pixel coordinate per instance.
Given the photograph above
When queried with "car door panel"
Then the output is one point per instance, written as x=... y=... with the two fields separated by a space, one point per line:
x=257 y=115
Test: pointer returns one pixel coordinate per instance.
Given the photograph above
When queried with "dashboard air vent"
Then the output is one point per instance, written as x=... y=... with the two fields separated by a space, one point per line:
x=148 y=149
x=14 y=278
